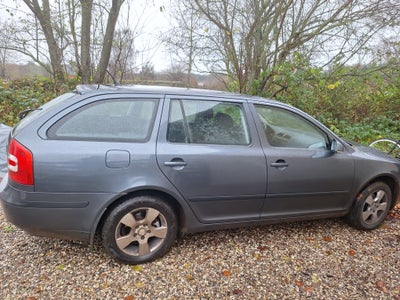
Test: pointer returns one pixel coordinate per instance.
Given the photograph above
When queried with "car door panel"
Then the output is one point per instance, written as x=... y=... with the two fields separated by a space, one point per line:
x=220 y=182
x=313 y=181
x=304 y=176
x=100 y=136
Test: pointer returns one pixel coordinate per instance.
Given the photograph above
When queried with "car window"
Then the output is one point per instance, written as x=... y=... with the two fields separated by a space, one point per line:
x=207 y=122
x=122 y=120
x=286 y=129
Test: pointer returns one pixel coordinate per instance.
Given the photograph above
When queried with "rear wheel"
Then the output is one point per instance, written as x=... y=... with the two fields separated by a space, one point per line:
x=371 y=206
x=139 y=230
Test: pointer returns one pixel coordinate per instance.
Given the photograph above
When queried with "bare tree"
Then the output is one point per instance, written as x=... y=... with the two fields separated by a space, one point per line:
x=184 y=39
x=250 y=39
x=177 y=74
x=147 y=72
x=85 y=64
x=5 y=34
x=43 y=15
x=63 y=34
x=108 y=39
x=123 y=54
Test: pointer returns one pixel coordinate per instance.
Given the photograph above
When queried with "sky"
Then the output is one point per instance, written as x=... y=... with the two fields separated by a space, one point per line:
x=155 y=22
x=143 y=14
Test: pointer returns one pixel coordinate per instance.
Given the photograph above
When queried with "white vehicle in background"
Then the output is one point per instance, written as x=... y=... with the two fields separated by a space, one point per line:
x=4 y=132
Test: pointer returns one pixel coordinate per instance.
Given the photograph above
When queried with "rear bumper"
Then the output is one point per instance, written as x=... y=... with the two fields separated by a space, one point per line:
x=67 y=216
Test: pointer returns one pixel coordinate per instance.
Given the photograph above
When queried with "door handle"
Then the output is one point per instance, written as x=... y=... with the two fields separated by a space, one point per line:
x=175 y=163
x=280 y=164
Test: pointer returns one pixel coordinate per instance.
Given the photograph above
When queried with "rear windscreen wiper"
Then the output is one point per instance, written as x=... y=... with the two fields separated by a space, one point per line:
x=23 y=113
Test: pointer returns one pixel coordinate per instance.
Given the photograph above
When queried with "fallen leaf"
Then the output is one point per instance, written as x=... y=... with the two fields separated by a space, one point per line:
x=61 y=267
x=186 y=265
x=129 y=298
x=136 y=268
x=237 y=292
x=287 y=280
x=381 y=286
x=352 y=252
x=30 y=298
x=139 y=284
x=308 y=289
x=262 y=248
x=314 y=278
x=327 y=238
x=226 y=273
x=205 y=259
x=189 y=277
x=299 y=283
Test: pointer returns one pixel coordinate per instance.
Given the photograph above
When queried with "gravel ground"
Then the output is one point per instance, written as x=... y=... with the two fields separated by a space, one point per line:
x=317 y=260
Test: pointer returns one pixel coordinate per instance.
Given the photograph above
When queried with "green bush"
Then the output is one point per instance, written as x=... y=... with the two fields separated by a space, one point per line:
x=358 y=103
x=22 y=94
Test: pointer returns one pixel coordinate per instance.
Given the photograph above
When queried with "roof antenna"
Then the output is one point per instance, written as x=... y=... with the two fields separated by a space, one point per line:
x=112 y=77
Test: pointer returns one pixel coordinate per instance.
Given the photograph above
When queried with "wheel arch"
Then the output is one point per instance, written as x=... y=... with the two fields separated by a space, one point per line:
x=390 y=181
x=169 y=199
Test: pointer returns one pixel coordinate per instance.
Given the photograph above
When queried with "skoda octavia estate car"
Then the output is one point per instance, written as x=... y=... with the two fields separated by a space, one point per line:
x=141 y=165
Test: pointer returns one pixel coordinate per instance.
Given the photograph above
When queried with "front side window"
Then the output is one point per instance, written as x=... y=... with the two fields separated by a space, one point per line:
x=120 y=120
x=286 y=129
x=207 y=122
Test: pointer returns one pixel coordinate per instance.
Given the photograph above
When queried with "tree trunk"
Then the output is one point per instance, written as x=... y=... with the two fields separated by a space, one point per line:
x=44 y=17
x=108 y=39
x=85 y=40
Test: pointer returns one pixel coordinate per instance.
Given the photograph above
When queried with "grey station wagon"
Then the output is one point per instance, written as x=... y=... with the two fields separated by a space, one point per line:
x=140 y=165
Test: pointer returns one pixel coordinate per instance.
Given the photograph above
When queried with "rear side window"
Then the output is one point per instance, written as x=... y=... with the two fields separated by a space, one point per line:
x=119 y=120
x=207 y=122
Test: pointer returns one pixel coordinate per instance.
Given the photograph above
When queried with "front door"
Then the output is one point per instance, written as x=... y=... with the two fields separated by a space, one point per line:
x=304 y=176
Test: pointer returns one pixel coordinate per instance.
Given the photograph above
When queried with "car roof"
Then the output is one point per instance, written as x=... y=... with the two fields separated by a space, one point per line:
x=168 y=90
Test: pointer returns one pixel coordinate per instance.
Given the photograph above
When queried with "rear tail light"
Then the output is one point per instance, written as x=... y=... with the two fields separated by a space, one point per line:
x=20 y=163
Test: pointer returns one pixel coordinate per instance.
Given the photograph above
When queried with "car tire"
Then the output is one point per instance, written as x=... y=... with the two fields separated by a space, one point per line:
x=371 y=206
x=139 y=230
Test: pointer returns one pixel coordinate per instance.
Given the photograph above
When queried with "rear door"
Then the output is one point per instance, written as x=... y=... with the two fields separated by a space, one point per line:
x=210 y=152
x=100 y=145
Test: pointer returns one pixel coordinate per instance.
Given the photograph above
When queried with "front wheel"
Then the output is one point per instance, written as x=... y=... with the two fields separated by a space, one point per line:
x=139 y=230
x=371 y=206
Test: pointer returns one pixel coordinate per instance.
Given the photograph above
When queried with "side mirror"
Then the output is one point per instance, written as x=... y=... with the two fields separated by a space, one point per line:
x=336 y=146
